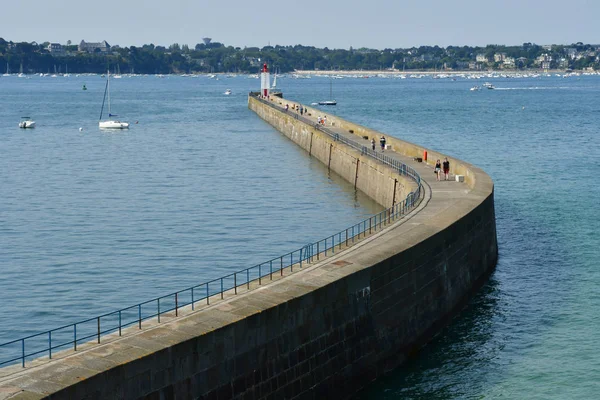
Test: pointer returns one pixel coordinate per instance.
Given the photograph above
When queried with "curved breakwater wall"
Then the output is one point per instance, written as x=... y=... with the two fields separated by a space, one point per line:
x=327 y=330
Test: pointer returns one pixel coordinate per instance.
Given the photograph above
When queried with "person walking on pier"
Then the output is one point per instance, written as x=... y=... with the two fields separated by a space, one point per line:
x=438 y=169
x=382 y=143
x=446 y=169
x=373 y=144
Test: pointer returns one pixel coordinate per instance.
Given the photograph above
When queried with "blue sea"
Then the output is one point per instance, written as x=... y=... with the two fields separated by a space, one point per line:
x=93 y=221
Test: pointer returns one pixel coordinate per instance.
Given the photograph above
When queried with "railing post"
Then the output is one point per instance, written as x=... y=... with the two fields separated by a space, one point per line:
x=346 y=237
x=158 y=306
x=340 y=240
x=259 y=274
x=271 y=269
x=300 y=258
x=23 y=352
x=318 y=252
x=221 y=288
x=75 y=337
x=140 y=316
x=193 y=297
x=292 y=261
x=176 y=306
x=281 y=266
x=235 y=282
x=98 y=329
x=50 y=345
x=370 y=225
x=248 y=279
x=119 y=322
x=207 y=294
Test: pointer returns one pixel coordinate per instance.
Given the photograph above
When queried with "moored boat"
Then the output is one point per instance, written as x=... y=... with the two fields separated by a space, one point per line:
x=26 y=123
x=111 y=123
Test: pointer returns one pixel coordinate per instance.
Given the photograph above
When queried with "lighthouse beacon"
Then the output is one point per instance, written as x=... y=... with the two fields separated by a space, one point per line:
x=265 y=81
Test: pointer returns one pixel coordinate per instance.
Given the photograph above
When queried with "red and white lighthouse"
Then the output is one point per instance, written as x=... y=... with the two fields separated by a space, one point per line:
x=265 y=81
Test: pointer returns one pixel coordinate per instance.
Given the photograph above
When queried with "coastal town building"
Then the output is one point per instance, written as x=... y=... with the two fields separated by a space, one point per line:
x=499 y=57
x=571 y=52
x=544 y=59
x=481 y=58
x=94 y=47
x=509 y=62
x=56 y=49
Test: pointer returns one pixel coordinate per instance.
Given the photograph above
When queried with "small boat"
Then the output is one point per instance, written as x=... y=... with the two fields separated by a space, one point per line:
x=489 y=85
x=111 y=123
x=84 y=87
x=26 y=123
x=227 y=92
x=329 y=102
x=475 y=88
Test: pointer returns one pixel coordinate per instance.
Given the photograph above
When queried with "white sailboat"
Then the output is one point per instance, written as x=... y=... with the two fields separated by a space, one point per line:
x=7 y=70
x=330 y=102
x=110 y=123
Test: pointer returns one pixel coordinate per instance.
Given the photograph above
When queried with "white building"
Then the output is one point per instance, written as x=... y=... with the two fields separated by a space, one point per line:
x=56 y=49
x=93 y=47
x=499 y=57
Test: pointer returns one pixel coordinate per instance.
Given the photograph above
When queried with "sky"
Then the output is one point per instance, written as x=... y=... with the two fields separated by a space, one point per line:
x=343 y=24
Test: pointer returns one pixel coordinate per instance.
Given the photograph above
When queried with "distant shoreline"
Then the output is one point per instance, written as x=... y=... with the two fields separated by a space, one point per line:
x=429 y=72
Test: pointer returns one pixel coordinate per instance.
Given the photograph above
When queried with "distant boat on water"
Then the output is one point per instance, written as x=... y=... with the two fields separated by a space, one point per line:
x=110 y=123
x=330 y=102
x=26 y=123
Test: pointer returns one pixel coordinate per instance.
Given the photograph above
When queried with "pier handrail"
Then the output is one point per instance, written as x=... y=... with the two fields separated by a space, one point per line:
x=95 y=328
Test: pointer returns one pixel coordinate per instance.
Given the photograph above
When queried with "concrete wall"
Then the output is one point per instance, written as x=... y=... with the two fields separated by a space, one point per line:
x=369 y=176
x=326 y=331
x=409 y=149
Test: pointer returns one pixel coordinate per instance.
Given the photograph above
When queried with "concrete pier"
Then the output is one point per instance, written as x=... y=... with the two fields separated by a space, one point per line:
x=325 y=330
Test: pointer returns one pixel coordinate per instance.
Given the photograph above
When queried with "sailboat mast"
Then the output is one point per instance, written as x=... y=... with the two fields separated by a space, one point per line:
x=108 y=86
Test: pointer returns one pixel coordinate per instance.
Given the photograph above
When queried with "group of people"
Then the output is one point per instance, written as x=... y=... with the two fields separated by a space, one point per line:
x=322 y=120
x=299 y=109
x=381 y=143
x=438 y=169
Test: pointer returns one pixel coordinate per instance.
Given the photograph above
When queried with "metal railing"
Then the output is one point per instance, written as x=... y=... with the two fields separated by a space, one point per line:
x=94 y=329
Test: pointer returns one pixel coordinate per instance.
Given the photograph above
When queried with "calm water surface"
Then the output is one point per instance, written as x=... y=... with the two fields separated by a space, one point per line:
x=91 y=221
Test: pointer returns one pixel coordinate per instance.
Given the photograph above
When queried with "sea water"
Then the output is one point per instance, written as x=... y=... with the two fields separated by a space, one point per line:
x=92 y=221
